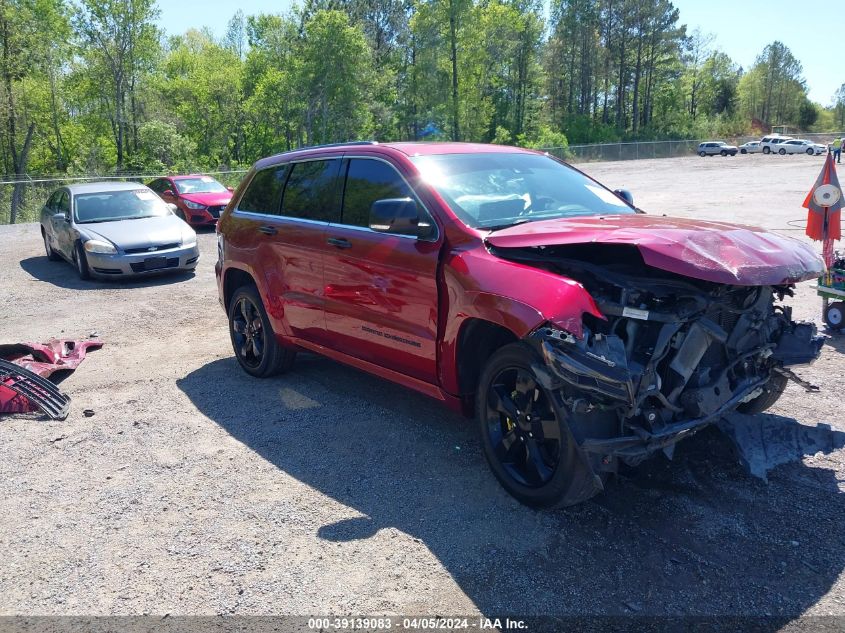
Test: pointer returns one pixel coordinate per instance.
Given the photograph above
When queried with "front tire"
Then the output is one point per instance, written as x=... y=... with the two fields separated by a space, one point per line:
x=524 y=432
x=772 y=391
x=81 y=262
x=810 y=151
x=723 y=153
x=702 y=154
x=743 y=151
x=253 y=340
x=767 y=150
x=782 y=152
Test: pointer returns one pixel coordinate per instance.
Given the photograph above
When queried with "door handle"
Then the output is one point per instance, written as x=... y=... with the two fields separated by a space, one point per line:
x=267 y=229
x=339 y=242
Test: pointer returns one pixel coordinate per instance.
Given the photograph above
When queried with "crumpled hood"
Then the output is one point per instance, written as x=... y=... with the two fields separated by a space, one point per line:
x=208 y=199
x=139 y=233
x=712 y=251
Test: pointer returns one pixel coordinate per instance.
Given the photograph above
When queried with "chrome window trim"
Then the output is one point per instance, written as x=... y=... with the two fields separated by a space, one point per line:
x=287 y=218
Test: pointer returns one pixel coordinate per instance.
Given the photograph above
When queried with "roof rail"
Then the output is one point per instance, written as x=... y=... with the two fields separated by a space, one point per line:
x=335 y=145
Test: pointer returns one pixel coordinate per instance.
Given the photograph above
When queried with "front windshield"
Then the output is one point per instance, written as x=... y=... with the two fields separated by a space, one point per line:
x=109 y=206
x=492 y=191
x=200 y=184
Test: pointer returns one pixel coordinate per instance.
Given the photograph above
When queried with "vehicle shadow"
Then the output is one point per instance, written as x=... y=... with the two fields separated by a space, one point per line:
x=692 y=537
x=64 y=275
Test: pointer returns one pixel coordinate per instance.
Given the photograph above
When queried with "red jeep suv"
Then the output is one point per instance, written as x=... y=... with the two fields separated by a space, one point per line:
x=578 y=331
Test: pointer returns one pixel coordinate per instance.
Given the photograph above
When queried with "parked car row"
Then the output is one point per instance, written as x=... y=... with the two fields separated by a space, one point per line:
x=126 y=229
x=772 y=144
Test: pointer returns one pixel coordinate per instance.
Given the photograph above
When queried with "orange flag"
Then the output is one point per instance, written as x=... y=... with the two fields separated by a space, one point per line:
x=816 y=228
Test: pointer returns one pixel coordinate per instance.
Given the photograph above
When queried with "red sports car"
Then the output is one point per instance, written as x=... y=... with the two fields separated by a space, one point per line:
x=199 y=199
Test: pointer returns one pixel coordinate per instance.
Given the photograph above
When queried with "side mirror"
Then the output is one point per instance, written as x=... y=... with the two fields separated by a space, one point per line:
x=66 y=216
x=168 y=192
x=625 y=195
x=173 y=208
x=399 y=216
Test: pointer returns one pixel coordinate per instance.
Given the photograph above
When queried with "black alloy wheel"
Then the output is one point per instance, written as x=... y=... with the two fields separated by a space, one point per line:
x=522 y=427
x=253 y=339
x=524 y=433
x=724 y=152
x=247 y=332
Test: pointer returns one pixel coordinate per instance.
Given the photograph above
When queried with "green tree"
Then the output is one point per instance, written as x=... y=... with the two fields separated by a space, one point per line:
x=120 y=44
x=27 y=63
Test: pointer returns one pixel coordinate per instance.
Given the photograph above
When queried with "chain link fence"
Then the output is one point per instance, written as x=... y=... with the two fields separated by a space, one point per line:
x=659 y=149
x=36 y=190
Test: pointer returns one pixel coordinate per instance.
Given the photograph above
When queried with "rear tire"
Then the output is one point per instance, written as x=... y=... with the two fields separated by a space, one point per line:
x=51 y=254
x=772 y=391
x=524 y=433
x=81 y=262
x=253 y=340
x=767 y=150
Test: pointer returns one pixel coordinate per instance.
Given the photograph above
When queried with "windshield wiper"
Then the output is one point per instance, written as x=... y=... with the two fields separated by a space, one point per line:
x=499 y=227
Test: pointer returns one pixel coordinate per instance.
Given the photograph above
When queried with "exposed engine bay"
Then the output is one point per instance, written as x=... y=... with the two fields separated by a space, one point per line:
x=672 y=355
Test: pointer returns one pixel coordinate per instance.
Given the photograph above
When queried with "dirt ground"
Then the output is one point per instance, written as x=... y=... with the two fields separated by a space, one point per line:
x=194 y=489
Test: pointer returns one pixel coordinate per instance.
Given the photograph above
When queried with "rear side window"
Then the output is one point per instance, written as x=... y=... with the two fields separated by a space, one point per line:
x=53 y=202
x=264 y=192
x=310 y=192
x=366 y=182
x=64 y=203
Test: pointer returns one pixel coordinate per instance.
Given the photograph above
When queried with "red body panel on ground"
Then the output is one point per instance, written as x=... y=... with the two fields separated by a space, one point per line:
x=44 y=359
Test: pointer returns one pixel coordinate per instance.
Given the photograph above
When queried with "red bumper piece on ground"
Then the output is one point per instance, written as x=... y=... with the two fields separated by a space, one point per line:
x=57 y=356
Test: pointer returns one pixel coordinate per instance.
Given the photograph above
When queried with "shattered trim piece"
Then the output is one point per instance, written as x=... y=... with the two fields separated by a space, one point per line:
x=25 y=367
x=34 y=389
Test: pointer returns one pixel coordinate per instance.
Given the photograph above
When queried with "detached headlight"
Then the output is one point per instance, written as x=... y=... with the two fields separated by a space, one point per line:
x=102 y=248
x=194 y=205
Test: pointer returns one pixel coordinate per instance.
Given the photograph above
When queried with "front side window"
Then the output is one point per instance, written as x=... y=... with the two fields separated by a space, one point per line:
x=367 y=181
x=264 y=193
x=110 y=206
x=310 y=190
x=496 y=190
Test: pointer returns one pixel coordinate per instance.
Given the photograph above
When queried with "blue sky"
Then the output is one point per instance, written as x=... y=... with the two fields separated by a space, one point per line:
x=813 y=29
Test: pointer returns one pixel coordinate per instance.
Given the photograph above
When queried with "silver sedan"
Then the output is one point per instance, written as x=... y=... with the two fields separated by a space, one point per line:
x=116 y=229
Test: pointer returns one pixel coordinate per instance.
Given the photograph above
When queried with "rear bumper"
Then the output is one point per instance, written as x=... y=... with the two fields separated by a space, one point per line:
x=143 y=264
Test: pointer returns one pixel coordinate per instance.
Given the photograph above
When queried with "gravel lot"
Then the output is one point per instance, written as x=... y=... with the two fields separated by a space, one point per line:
x=194 y=489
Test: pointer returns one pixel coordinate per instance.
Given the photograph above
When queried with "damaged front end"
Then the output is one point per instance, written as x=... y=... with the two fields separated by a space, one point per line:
x=672 y=355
